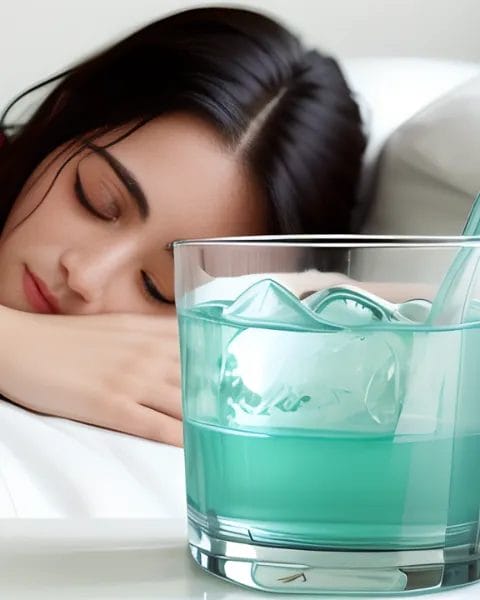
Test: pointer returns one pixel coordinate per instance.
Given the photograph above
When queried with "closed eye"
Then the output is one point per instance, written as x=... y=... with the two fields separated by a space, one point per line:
x=152 y=291
x=112 y=212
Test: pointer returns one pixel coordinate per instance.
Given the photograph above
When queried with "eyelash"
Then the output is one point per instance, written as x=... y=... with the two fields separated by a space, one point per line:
x=151 y=290
x=148 y=286
x=82 y=198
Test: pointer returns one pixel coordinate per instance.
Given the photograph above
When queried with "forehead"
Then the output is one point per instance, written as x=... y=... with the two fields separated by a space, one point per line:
x=191 y=180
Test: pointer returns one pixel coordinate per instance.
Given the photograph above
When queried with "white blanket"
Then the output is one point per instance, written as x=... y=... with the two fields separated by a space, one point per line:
x=52 y=467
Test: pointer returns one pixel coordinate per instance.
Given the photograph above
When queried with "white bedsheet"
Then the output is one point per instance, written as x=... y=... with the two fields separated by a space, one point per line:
x=52 y=467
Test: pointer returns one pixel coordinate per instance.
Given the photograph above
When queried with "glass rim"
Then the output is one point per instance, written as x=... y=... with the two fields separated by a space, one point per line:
x=334 y=241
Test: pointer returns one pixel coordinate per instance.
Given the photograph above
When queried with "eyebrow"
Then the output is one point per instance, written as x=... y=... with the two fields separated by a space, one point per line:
x=127 y=178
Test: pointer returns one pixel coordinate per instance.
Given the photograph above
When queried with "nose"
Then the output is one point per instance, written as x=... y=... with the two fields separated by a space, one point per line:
x=88 y=272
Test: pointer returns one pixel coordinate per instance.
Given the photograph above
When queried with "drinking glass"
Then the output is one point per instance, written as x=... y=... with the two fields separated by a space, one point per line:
x=331 y=430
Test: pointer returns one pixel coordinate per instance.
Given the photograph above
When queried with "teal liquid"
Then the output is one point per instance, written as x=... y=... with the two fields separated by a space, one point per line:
x=321 y=486
x=327 y=492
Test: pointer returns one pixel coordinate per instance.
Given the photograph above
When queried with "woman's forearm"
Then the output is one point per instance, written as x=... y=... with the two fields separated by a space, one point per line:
x=117 y=371
x=13 y=326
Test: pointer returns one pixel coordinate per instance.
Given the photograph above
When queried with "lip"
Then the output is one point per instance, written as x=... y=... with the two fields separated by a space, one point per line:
x=38 y=294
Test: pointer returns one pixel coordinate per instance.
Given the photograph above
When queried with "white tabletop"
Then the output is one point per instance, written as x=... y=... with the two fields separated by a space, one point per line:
x=139 y=559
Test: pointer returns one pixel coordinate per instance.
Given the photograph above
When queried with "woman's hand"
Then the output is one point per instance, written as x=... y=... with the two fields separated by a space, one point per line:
x=119 y=371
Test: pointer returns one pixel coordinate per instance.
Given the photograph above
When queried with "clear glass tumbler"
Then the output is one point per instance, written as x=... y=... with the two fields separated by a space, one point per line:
x=331 y=402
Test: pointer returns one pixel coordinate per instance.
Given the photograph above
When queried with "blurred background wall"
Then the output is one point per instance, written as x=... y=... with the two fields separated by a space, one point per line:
x=40 y=38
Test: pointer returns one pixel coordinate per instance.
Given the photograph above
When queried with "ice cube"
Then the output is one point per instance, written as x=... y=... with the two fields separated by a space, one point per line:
x=267 y=303
x=342 y=381
x=352 y=306
x=344 y=307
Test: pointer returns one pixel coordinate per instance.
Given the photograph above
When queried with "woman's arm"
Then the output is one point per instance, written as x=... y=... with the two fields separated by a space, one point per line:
x=119 y=371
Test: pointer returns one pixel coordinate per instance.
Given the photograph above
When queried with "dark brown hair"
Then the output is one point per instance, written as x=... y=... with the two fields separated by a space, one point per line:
x=290 y=109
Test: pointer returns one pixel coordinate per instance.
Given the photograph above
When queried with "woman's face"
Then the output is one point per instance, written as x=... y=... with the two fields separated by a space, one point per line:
x=98 y=241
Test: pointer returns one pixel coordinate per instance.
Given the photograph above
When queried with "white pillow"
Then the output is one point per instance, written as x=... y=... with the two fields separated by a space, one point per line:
x=429 y=171
x=391 y=91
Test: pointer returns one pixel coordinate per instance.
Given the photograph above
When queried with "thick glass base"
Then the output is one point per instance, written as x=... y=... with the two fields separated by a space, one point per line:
x=294 y=570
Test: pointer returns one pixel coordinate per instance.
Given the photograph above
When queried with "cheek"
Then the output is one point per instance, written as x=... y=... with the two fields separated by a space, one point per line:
x=22 y=208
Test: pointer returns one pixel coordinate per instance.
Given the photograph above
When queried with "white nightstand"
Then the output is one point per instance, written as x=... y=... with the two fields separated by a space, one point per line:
x=96 y=559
